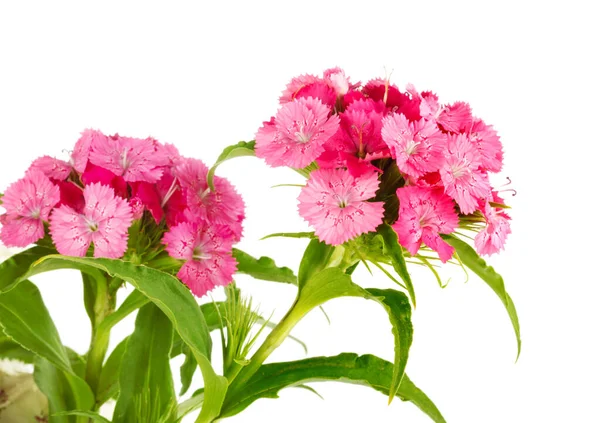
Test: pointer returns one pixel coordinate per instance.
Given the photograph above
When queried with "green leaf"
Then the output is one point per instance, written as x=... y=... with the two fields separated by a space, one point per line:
x=148 y=373
x=65 y=391
x=290 y=235
x=173 y=298
x=394 y=250
x=88 y=414
x=13 y=267
x=241 y=149
x=187 y=370
x=108 y=385
x=315 y=258
x=25 y=319
x=366 y=370
x=133 y=301
x=263 y=268
x=469 y=257
x=398 y=308
x=12 y=350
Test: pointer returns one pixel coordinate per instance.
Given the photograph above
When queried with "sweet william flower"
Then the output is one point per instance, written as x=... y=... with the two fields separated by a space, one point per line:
x=425 y=213
x=28 y=203
x=206 y=250
x=55 y=169
x=81 y=153
x=104 y=221
x=295 y=136
x=335 y=204
x=488 y=144
x=492 y=237
x=418 y=146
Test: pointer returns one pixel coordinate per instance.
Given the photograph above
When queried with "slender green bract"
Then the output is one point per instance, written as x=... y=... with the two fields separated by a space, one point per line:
x=470 y=258
x=241 y=149
x=263 y=268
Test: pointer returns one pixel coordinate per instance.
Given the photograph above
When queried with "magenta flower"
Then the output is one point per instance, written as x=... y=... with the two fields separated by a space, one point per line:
x=425 y=213
x=207 y=251
x=492 y=238
x=223 y=206
x=381 y=90
x=295 y=136
x=52 y=168
x=104 y=221
x=335 y=204
x=418 y=146
x=461 y=174
x=28 y=203
x=135 y=159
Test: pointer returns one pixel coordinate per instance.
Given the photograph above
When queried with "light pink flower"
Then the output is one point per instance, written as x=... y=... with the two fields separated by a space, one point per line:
x=488 y=144
x=105 y=220
x=461 y=174
x=335 y=204
x=28 y=203
x=223 y=206
x=136 y=160
x=456 y=118
x=429 y=106
x=492 y=238
x=81 y=152
x=336 y=78
x=425 y=213
x=207 y=251
x=296 y=135
x=295 y=85
x=52 y=168
x=418 y=146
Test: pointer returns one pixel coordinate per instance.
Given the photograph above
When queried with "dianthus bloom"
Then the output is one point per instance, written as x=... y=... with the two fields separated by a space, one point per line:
x=136 y=160
x=295 y=136
x=418 y=146
x=222 y=206
x=492 y=237
x=335 y=204
x=424 y=214
x=461 y=174
x=206 y=250
x=28 y=203
x=104 y=221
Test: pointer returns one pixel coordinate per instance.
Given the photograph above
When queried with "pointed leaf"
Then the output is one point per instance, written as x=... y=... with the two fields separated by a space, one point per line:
x=394 y=251
x=263 y=268
x=290 y=235
x=241 y=149
x=315 y=258
x=473 y=261
x=15 y=266
x=108 y=384
x=366 y=370
x=148 y=372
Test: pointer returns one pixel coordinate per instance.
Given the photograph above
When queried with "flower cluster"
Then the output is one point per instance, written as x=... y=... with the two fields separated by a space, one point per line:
x=370 y=146
x=113 y=189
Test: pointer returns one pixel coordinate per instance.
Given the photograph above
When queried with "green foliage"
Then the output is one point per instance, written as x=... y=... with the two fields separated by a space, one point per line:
x=316 y=257
x=469 y=257
x=263 y=268
x=108 y=385
x=241 y=149
x=365 y=370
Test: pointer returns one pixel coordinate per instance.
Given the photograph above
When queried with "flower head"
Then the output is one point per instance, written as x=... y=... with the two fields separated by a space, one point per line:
x=104 y=221
x=135 y=159
x=295 y=136
x=335 y=204
x=418 y=146
x=81 y=152
x=488 y=144
x=461 y=175
x=424 y=213
x=28 y=203
x=492 y=237
x=53 y=168
x=207 y=251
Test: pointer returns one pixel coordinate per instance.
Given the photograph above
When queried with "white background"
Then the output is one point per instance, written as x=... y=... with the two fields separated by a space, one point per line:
x=203 y=77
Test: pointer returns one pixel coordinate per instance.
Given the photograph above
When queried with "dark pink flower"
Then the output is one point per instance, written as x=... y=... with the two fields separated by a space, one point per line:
x=425 y=213
x=488 y=144
x=28 y=203
x=492 y=237
x=104 y=221
x=456 y=118
x=295 y=136
x=335 y=204
x=381 y=90
x=206 y=250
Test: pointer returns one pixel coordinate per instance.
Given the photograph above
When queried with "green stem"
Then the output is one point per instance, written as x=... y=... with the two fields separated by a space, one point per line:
x=104 y=305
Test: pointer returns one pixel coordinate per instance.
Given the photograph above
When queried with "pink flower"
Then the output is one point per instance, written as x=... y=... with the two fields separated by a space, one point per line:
x=429 y=106
x=461 y=174
x=207 y=251
x=296 y=135
x=223 y=206
x=81 y=152
x=456 y=118
x=136 y=160
x=28 y=203
x=418 y=146
x=147 y=194
x=381 y=90
x=104 y=221
x=336 y=78
x=335 y=204
x=295 y=85
x=492 y=238
x=425 y=213
x=52 y=168
x=488 y=144
x=96 y=174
